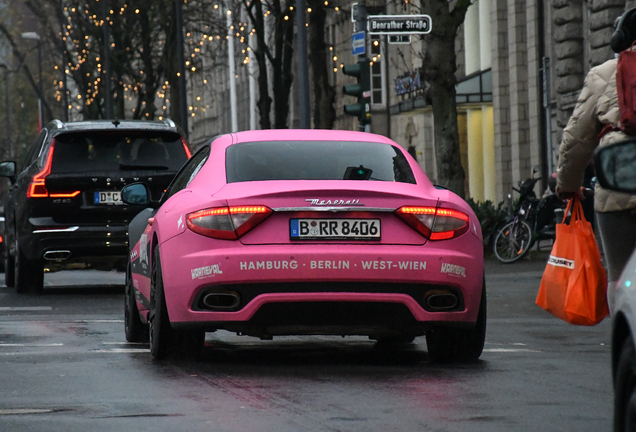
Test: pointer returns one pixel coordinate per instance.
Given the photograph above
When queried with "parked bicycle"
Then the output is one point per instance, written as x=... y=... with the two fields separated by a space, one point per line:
x=531 y=219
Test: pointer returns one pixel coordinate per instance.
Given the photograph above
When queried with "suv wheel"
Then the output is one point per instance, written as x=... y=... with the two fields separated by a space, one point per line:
x=9 y=270
x=28 y=274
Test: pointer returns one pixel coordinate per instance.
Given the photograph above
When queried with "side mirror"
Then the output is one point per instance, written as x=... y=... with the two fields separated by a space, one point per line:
x=616 y=166
x=8 y=169
x=136 y=194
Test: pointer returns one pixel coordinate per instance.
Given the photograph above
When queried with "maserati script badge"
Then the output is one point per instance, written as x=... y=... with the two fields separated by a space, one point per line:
x=336 y=202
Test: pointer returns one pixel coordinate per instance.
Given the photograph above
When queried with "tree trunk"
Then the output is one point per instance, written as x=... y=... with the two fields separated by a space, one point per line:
x=324 y=93
x=264 y=102
x=282 y=62
x=439 y=74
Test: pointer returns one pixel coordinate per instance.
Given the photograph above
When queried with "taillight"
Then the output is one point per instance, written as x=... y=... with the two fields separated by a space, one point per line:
x=185 y=147
x=228 y=223
x=434 y=223
x=37 y=188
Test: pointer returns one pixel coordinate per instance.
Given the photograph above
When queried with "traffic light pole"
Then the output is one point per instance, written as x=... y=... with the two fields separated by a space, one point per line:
x=303 y=69
x=359 y=70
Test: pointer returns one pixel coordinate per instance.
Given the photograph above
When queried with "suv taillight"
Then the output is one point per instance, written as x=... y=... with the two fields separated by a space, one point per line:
x=185 y=147
x=434 y=223
x=227 y=223
x=37 y=188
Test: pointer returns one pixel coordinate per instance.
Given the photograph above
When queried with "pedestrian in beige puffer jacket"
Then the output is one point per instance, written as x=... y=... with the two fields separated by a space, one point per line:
x=597 y=109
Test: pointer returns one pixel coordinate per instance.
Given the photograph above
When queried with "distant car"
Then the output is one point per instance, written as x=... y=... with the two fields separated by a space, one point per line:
x=297 y=232
x=65 y=205
x=616 y=170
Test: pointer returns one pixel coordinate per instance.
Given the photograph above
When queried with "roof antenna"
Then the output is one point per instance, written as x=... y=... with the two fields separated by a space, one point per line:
x=116 y=122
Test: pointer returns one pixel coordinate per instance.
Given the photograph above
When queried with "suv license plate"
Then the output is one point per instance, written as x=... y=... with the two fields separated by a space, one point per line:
x=334 y=229
x=110 y=198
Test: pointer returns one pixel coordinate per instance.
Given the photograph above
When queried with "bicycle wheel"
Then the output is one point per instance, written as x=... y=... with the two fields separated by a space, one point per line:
x=512 y=241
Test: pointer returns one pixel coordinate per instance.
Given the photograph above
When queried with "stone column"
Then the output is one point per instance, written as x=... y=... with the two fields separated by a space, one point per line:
x=567 y=20
x=501 y=97
x=518 y=73
x=535 y=95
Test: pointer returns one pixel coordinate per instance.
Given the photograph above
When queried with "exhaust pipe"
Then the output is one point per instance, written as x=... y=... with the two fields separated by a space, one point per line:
x=442 y=301
x=59 y=255
x=221 y=300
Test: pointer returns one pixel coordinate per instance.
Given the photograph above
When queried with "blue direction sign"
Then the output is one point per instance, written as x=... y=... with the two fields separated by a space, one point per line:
x=358 y=43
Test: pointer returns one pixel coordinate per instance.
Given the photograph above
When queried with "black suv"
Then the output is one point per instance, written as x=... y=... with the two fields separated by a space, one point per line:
x=64 y=205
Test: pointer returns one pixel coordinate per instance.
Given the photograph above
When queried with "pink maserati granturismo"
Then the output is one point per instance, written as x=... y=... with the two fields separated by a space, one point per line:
x=305 y=232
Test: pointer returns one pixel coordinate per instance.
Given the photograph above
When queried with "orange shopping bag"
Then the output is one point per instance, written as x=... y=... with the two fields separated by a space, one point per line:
x=574 y=283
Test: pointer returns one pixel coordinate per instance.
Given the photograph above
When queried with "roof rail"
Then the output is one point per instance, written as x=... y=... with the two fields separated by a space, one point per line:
x=57 y=123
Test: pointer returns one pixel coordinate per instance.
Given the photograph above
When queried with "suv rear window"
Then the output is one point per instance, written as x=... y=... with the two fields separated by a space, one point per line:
x=316 y=160
x=114 y=151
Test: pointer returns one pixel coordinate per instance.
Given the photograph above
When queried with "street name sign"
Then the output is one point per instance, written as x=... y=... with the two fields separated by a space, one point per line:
x=399 y=38
x=358 y=43
x=399 y=24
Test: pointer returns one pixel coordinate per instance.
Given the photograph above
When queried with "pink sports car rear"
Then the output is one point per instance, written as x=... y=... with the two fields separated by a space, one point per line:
x=305 y=232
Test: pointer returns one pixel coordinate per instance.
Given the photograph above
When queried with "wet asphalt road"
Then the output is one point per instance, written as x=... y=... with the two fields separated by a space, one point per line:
x=65 y=366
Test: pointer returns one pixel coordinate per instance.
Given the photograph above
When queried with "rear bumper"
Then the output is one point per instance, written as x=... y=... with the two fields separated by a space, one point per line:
x=275 y=281
x=81 y=241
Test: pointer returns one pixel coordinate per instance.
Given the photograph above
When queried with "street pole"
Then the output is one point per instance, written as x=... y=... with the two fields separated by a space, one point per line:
x=303 y=70
x=183 y=101
x=548 y=111
x=36 y=37
x=8 y=108
x=109 y=98
x=40 y=105
x=252 y=71
x=231 y=69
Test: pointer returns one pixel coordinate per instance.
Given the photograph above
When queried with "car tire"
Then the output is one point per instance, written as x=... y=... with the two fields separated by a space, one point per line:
x=28 y=274
x=9 y=270
x=135 y=329
x=625 y=389
x=161 y=332
x=164 y=340
x=447 y=345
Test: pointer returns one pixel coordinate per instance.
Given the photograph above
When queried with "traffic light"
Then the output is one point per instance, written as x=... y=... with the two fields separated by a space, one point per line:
x=361 y=90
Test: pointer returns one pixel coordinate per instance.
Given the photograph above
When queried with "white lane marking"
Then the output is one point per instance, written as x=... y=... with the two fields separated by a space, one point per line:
x=26 y=308
x=23 y=411
x=94 y=321
x=30 y=345
x=74 y=351
x=124 y=343
x=509 y=350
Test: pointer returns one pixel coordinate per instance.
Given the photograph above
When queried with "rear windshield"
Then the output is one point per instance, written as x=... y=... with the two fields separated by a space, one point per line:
x=113 y=151
x=316 y=160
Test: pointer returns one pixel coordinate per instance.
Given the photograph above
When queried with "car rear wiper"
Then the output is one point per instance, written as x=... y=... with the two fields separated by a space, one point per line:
x=130 y=167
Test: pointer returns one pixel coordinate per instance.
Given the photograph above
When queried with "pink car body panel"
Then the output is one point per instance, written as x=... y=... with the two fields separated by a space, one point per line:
x=192 y=262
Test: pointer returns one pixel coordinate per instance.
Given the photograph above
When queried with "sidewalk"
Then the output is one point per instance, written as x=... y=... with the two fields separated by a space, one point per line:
x=534 y=262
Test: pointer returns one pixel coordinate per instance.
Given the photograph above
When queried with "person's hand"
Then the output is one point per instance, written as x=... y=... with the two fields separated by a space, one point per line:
x=565 y=196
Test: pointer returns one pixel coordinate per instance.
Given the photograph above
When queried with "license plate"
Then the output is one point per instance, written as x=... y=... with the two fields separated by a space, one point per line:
x=334 y=229
x=110 y=198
